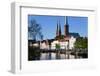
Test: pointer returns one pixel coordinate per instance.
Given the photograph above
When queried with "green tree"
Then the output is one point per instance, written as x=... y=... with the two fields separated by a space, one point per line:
x=81 y=42
x=57 y=46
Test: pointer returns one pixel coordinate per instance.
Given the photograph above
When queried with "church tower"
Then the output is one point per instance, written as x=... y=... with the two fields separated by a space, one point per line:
x=58 y=30
x=57 y=34
x=66 y=27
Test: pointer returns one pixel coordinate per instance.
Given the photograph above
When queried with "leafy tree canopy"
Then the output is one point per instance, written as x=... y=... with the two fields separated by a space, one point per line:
x=81 y=42
x=57 y=46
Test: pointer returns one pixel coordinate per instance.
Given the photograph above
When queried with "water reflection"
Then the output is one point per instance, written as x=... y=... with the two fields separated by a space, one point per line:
x=53 y=56
x=45 y=54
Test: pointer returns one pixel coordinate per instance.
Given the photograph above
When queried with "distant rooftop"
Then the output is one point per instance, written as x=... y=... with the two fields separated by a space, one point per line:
x=74 y=35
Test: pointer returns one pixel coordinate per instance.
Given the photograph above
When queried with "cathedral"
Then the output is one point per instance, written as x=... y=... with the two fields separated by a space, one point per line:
x=59 y=35
x=65 y=41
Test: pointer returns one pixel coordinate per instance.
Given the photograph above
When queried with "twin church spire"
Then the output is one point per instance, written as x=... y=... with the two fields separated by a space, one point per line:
x=66 y=28
x=58 y=30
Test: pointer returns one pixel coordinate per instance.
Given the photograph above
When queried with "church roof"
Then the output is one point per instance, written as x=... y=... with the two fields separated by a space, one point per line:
x=74 y=35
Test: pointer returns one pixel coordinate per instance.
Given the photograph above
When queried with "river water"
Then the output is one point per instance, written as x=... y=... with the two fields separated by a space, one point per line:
x=53 y=56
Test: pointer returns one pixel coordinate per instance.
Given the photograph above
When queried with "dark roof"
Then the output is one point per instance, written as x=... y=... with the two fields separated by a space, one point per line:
x=74 y=35
x=49 y=40
x=33 y=41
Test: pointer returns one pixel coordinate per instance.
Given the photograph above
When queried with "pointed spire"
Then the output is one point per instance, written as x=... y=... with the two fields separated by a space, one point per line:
x=59 y=29
x=66 y=27
x=66 y=20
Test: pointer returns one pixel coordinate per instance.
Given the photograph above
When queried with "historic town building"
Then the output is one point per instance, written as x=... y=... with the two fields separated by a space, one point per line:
x=65 y=41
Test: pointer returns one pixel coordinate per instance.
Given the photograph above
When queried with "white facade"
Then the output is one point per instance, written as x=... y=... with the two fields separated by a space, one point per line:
x=35 y=45
x=53 y=44
x=63 y=44
x=44 y=45
x=71 y=42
